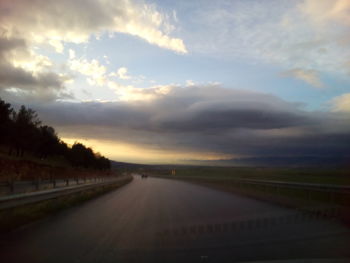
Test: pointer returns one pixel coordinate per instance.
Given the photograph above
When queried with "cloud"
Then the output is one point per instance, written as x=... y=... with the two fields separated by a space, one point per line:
x=71 y=53
x=26 y=73
x=29 y=27
x=190 y=83
x=282 y=33
x=121 y=73
x=129 y=93
x=341 y=103
x=208 y=119
x=198 y=108
x=93 y=69
x=309 y=76
x=327 y=11
x=57 y=22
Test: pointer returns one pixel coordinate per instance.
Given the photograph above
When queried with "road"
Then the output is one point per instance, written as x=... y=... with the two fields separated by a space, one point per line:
x=161 y=220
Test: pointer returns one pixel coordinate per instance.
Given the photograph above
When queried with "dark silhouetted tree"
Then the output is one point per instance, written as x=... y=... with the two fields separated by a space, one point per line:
x=48 y=142
x=21 y=131
x=6 y=124
x=25 y=134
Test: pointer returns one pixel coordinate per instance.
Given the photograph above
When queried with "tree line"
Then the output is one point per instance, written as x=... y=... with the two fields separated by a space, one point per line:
x=23 y=132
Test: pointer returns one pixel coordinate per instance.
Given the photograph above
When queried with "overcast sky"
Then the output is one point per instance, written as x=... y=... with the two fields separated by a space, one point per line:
x=179 y=81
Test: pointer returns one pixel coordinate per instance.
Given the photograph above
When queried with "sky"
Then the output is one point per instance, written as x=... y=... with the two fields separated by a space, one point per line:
x=183 y=81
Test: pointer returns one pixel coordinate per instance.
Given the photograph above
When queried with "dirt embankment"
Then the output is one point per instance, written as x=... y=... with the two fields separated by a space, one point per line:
x=23 y=170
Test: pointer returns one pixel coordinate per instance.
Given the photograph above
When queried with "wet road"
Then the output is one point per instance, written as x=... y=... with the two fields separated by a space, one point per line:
x=160 y=220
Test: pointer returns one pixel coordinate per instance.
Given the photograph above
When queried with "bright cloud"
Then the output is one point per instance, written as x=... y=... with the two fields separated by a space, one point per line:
x=121 y=73
x=310 y=76
x=129 y=93
x=341 y=103
x=56 y=22
x=71 y=54
x=95 y=72
x=327 y=10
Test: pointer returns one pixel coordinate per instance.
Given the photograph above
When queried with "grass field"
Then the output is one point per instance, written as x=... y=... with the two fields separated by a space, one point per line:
x=338 y=176
x=225 y=178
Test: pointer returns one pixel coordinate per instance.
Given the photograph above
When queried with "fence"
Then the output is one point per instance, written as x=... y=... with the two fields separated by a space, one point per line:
x=275 y=190
x=312 y=192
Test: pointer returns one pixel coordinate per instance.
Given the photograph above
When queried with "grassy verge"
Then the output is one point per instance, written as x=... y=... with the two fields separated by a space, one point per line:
x=227 y=179
x=13 y=218
x=293 y=197
x=338 y=176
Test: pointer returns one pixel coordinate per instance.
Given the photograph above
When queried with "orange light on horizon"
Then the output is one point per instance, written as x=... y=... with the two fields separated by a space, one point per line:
x=124 y=152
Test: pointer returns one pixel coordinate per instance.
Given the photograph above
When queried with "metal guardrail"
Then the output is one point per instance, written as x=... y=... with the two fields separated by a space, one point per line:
x=308 y=186
x=324 y=193
x=14 y=200
x=319 y=193
x=261 y=222
x=17 y=187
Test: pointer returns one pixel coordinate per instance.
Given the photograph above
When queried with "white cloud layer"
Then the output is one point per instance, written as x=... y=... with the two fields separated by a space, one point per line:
x=121 y=73
x=95 y=72
x=306 y=34
x=56 y=22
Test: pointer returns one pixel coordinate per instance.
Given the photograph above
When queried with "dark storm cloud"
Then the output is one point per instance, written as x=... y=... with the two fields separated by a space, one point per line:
x=19 y=78
x=221 y=119
x=185 y=110
x=208 y=119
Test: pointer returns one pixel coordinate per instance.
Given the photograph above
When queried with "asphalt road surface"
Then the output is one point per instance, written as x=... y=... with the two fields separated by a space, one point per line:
x=161 y=220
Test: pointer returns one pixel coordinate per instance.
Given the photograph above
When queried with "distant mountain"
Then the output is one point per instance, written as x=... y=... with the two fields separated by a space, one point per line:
x=281 y=161
x=271 y=161
x=116 y=164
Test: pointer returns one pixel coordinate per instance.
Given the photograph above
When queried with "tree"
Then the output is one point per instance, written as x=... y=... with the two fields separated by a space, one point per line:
x=5 y=121
x=81 y=156
x=22 y=131
x=25 y=135
x=48 y=142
